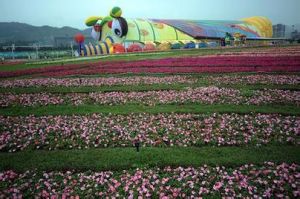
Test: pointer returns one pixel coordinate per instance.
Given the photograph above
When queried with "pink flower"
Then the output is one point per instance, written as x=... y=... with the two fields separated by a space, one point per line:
x=130 y=196
x=53 y=197
x=64 y=196
x=217 y=186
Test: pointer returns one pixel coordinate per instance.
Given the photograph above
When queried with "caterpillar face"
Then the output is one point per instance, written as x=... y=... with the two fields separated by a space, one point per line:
x=113 y=26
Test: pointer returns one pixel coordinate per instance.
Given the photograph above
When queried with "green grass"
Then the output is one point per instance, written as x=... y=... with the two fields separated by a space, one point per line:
x=138 y=108
x=88 y=89
x=134 y=56
x=142 y=87
x=127 y=158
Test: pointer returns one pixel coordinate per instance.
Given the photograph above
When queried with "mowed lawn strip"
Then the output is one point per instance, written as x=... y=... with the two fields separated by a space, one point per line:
x=88 y=89
x=138 y=108
x=127 y=158
x=130 y=57
x=141 y=87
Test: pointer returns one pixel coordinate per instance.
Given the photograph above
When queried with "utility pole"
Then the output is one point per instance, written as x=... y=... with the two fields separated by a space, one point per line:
x=72 y=48
x=37 y=51
x=12 y=50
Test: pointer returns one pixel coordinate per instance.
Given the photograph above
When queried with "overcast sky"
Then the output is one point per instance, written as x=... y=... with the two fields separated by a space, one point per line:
x=74 y=12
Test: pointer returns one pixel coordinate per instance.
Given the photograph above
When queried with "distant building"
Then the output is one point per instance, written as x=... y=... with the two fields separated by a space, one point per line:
x=295 y=35
x=279 y=31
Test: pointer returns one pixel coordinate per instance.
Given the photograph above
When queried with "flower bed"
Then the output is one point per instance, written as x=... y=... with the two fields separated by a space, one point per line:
x=269 y=180
x=70 y=82
x=274 y=96
x=36 y=99
x=235 y=63
x=135 y=80
x=254 y=79
x=205 y=95
x=97 y=130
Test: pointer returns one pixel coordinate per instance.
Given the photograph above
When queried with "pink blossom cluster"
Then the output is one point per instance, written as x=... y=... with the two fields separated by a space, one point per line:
x=207 y=95
x=204 y=95
x=70 y=82
x=31 y=99
x=254 y=79
x=135 y=80
x=268 y=96
x=269 y=180
x=11 y=62
x=99 y=130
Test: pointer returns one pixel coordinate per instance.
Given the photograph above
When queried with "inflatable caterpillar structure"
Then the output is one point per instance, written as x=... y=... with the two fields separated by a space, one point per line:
x=115 y=34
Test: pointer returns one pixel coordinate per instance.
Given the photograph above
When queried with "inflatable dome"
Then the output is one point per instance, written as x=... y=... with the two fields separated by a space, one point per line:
x=134 y=48
x=119 y=48
x=149 y=47
x=164 y=46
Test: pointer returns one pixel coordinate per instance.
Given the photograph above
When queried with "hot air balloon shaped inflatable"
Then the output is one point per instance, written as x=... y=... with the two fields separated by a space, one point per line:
x=168 y=34
x=79 y=39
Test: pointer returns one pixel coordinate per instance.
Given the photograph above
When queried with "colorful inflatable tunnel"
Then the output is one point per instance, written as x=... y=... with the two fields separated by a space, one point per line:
x=167 y=34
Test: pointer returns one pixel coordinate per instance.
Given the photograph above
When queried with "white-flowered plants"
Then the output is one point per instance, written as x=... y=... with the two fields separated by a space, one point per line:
x=254 y=79
x=98 y=130
x=109 y=81
x=204 y=95
x=136 y=80
x=269 y=180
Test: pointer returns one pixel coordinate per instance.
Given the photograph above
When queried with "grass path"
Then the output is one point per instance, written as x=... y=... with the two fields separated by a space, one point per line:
x=128 y=158
x=138 y=108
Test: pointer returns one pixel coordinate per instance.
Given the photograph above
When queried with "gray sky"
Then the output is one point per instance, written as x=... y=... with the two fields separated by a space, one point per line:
x=74 y=12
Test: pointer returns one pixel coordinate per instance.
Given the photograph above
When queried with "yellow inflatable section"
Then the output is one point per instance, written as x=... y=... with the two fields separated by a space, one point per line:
x=143 y=30
x=102 y=48
x=262 y=24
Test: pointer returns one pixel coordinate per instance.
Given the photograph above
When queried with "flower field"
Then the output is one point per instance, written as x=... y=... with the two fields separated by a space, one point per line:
x=67 y=132
x=209 y=123
x=110 y=81
x=274 y=60
x=204 y=95
x=249 y=180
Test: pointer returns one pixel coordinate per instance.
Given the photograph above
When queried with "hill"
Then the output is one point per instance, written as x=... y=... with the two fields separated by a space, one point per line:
x=21 y=33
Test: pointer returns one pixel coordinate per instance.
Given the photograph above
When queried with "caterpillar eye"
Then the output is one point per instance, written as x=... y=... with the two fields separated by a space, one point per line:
x=118 y=32
x=119 y=27
x=116 y=27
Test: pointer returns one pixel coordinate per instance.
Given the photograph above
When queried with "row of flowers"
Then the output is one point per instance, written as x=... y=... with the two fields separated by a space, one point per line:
x=269 y=180
x=205 y=95
x=70 y=82
x=274 y=51
x=175 y=70
x=190 y=64
x=97 y=130
x=135 y=80
x=254 y=79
